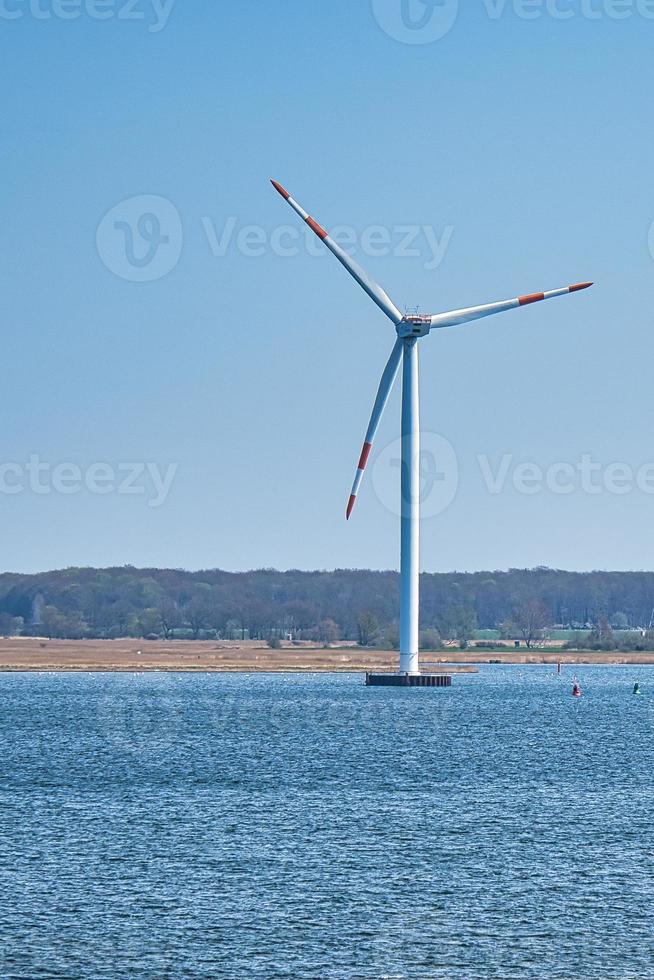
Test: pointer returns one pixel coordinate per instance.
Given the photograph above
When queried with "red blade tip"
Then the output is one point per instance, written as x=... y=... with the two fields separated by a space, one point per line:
x=350 y=506
x=581 y=285
x=280 y=189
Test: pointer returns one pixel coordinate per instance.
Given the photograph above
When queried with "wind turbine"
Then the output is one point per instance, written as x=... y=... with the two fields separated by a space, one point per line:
x=409 y=329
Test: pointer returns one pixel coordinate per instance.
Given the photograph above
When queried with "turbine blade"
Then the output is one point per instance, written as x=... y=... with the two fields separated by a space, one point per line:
x=373 y=289
x=455 y=317
x=385 y=386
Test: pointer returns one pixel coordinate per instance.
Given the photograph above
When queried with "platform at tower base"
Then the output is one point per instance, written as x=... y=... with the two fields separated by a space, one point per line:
x=408 y=680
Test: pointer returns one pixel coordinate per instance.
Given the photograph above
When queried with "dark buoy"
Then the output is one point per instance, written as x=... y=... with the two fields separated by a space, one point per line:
x=637 y=688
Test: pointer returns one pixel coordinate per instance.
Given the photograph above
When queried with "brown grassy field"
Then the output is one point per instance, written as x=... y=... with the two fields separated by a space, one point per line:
x=22 y=653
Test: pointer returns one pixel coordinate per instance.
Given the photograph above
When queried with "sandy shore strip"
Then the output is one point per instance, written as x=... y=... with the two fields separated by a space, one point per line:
x=24 y=654
x=18 y=654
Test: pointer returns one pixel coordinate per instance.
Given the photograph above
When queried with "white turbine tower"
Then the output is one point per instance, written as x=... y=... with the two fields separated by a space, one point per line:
x=409 y=329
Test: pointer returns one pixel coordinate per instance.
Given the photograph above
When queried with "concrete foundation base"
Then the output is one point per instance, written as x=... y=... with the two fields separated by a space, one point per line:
x=408 y=680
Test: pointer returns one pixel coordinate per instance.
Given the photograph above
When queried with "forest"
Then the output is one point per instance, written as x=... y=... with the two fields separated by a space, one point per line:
x=325 y=606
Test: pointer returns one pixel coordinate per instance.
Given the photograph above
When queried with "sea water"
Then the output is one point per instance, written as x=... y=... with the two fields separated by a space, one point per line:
x=304 y=826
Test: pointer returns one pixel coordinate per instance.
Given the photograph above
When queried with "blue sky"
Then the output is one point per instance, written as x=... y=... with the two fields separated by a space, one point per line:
x=518 y=142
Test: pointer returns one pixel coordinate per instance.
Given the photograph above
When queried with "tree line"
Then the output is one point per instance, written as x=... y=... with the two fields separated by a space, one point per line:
x=357 y=605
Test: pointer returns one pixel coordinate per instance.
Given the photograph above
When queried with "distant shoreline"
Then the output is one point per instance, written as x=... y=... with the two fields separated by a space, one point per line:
x=20 y=654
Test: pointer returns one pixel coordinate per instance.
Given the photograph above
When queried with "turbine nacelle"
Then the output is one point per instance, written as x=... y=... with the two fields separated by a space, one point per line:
x=413 y=325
